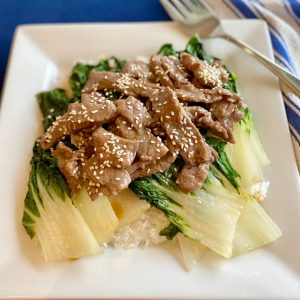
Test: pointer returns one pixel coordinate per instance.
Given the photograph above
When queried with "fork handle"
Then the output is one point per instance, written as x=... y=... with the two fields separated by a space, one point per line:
x=290 y=80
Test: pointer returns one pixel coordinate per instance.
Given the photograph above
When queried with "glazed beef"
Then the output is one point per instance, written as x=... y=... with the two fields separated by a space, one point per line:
x=120 y=82
x=55 y=133
x=142 y=168
x=168 y=71
x=161 y=107
x=195 y=112
x=134 y=111
x=68 y=162
x=79 y=117
x=137 y=70
x=180 y=130
x=93 y=97
x=150 y=147
x=190 y=93
x=192 y=177
x=184 y=136
x=205 y=75
x=117 y=151
x=100 y=174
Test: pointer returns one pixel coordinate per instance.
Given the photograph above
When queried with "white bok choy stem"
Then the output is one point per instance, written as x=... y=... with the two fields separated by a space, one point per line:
x=61 y=230
x=98 y=214
x=255 y=229
x=248 y=157
x=191 y=251
x=210 y=220
x=50 y=215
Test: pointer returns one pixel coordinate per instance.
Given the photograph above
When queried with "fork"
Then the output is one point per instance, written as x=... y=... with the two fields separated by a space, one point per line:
x=193 y=12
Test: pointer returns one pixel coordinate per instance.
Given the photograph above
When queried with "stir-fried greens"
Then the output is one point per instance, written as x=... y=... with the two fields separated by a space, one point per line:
x=80 y=72
x=50 y=214
x=52 y=105
x=222 y=162
x=223 y=214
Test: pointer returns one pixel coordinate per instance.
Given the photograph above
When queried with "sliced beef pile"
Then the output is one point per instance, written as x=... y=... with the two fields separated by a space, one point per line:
x=79 y=117
x=69 y=164
x=185 y=138
x=162 y=106
x=137 y=70
x=204 y=74
x=168 y=71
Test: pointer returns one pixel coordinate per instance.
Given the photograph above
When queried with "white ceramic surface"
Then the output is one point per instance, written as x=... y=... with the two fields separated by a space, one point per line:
x=41 y=58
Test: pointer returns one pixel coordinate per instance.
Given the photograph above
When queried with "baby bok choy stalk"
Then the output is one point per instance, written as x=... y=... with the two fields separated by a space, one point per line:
x=248 y=157
x=192 y=251
x=222 y=167
x=98 y=214
x=51 y=216
x=255 y=228
x=65 y=228
x=208 y=219
x=128 y=207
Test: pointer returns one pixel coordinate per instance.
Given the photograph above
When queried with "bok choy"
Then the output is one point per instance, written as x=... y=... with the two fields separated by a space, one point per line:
x=255 y=229
x=98 y=214
x=195 y=215
x=248 y=157
x=51 y=216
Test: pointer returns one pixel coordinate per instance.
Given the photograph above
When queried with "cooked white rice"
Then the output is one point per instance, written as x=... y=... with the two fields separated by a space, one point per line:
x=142 y=232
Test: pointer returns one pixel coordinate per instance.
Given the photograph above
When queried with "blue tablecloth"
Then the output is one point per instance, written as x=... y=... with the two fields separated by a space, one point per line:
x=16 y=12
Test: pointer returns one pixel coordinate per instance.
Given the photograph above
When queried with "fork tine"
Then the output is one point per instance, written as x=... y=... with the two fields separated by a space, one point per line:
x=182 y=12
x=190 y=4
x=199 y=4
x=183 y=9
x=195 y=6
x=172 y=11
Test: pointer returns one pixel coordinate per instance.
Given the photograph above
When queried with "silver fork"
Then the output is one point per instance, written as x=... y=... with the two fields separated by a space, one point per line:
x=193 y=12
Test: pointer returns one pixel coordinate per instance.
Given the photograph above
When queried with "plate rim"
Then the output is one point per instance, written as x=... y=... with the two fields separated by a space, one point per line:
x=22 y=28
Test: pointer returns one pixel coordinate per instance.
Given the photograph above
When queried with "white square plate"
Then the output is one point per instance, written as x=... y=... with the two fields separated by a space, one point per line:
x=42 y=57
